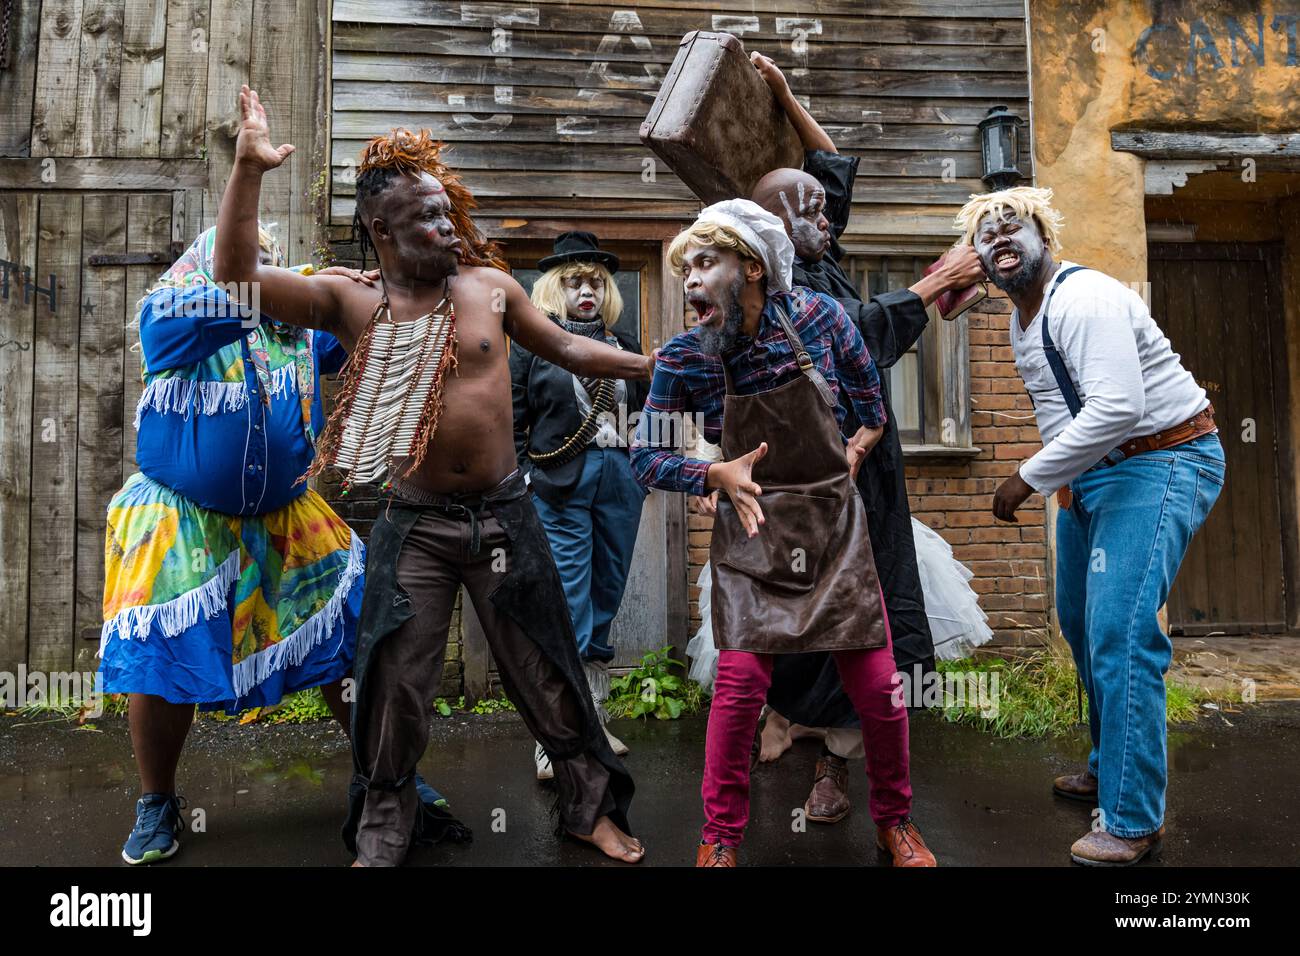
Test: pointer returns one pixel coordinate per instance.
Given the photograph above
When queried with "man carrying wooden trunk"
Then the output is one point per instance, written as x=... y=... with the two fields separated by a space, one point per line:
x=456 y=509
x=775 y=357
x=813 y=205
x=1131 y=450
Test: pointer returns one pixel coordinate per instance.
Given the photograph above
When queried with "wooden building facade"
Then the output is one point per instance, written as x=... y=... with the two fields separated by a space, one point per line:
x=117 y=124
x=116 y=136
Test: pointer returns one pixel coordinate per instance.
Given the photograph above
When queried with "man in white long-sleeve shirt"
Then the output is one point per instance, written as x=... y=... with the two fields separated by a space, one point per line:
x=1131 y=451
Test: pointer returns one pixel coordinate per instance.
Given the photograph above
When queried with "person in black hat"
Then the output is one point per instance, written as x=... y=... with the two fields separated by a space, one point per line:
x=571 y=436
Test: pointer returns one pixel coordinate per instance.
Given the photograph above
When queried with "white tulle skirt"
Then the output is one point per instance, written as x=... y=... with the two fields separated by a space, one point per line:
x=957 y=622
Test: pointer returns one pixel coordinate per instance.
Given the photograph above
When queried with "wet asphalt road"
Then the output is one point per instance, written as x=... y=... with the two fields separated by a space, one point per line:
x=274 y=795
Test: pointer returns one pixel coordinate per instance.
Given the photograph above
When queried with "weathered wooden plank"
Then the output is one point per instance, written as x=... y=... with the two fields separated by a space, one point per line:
x=1162 y=145
x=578 y=128
x=54 y=111
x=759 y=25
x=228 y=69
x=626 y=158
x=18 y=80
x=54 y=442
x=185 y=78
x=505 y=71
x=95 y=173
x=99 y=78
x=18 y=231
x=272 y=76
x=366 y=10
x=485 y=184
x=406 y=96
x=307 y=124
x=653 y=54
x=139 y=110
x=100 y=415
x=149 y=220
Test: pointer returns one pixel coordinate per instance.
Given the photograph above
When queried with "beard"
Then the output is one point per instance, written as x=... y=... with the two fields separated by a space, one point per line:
x=1018 y=281
x=719 y=338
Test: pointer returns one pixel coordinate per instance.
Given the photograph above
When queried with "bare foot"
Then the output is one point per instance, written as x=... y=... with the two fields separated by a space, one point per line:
x=776 y=737
x=800 y=732
x=613 y=842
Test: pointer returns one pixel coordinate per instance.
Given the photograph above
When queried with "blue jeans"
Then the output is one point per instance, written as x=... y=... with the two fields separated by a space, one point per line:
x=1118 y=548
x=593 y=535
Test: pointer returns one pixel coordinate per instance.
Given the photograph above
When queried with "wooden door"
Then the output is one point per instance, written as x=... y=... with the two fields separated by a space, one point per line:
x=1221 y=306
x=69 y=381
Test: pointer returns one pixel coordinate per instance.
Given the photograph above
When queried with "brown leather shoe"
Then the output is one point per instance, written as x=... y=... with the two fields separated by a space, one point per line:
x=1076 y=786
x=715 y=854
x=829 y=800
x=904 y=844
x=1099 y=848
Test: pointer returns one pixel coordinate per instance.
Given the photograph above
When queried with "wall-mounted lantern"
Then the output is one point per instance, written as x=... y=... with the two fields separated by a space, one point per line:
x=1000 y=146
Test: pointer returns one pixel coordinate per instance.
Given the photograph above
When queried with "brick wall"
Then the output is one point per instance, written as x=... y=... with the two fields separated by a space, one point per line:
x=955 y=496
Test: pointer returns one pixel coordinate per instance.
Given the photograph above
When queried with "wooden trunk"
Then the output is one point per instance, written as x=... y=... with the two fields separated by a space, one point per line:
x=715 y=122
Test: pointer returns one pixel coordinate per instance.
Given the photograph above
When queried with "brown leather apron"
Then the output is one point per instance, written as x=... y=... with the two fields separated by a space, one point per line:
x=807 y=581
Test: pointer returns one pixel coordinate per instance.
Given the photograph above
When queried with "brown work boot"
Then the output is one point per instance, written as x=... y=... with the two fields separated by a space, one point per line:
x=1099 y=848
x=829 y=800
x=904 y=844
x=1076 y=786
x=715 y=854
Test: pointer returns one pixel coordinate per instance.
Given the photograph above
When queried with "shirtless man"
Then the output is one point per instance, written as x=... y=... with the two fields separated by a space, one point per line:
x=463 y=516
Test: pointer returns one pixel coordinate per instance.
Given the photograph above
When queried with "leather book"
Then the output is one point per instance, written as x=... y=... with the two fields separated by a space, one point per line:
x=956 y=301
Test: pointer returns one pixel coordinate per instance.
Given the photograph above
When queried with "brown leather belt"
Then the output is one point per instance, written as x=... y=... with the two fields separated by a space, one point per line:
x=1202 y=423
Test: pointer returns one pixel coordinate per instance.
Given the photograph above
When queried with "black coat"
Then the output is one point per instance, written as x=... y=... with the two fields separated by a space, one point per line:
x=806 y=687
x=546 y=413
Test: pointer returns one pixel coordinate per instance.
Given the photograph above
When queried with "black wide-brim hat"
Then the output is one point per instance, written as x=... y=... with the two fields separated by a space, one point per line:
x=578 y=247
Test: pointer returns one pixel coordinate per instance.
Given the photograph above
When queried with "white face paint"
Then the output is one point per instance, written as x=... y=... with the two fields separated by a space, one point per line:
x=804 y=216
x=1010 y=248
x=584 y=294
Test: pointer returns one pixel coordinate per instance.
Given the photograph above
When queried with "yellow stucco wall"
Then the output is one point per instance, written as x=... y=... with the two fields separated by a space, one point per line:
x=1101 y=65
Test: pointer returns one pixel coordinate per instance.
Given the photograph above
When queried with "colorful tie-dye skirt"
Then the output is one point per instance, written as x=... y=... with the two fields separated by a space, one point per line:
x=224 y=611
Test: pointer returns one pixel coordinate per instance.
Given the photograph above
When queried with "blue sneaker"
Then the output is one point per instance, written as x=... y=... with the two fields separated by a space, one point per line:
x=157 y=821
x=428 y=795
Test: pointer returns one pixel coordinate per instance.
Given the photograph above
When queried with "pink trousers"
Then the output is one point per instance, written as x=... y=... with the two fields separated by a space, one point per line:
x=738 y=696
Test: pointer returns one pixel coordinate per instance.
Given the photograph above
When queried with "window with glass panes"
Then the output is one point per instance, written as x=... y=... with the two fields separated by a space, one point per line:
x=929 y=387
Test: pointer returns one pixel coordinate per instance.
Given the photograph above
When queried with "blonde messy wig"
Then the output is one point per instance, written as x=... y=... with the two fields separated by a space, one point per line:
x=548 y=290
x=1026 y=202
x=707 y=234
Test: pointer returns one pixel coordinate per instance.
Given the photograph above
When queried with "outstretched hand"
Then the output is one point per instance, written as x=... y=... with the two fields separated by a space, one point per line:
x=253 y=145
x=735 y=477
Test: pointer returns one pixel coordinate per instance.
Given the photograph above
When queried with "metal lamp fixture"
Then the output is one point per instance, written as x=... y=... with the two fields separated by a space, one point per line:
x=1000 y=146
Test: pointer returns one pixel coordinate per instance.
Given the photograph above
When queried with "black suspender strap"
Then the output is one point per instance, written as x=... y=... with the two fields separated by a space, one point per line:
x=1054 y=357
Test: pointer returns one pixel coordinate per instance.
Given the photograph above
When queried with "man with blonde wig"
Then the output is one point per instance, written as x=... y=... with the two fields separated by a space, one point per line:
x=1131 y=451
x=792 y=564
